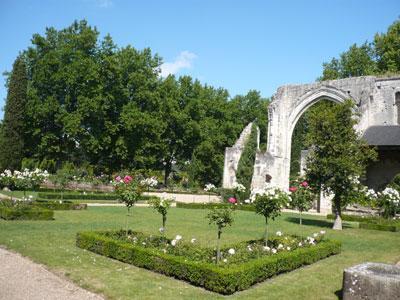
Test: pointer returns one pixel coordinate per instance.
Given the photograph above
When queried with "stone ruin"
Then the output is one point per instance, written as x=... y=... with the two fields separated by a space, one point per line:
x=377 y=102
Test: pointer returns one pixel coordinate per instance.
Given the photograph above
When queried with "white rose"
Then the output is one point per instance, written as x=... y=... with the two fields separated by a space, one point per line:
x=231 y=251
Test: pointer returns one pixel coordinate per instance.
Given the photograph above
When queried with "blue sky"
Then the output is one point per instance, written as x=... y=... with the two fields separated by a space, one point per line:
x=238 y=45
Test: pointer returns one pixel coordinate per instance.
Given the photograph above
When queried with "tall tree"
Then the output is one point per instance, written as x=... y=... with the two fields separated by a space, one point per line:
x=13 y=130
x=387 y=48
x=338 y=156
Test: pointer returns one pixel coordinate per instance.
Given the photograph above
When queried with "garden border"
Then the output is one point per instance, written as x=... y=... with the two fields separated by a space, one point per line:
x=369 y=222
x=221 y=280
x=27 y=213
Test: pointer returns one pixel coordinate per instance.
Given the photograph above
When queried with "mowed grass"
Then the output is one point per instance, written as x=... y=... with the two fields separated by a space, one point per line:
x=52 y=243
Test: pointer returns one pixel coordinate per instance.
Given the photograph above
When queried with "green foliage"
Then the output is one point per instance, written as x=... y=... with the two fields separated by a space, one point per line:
x=338 y=157
x=25 y=212
x=246 y=207
x=245 y=168
x=301 y=196
x=161 y=206
x=299 y=134
x=59 y=205
x=270 y=203
x=13 y=130
x=104 y=108
x=221 y=280
x=382 y=56
x=381 y=227
x=78 y=196
x=372 y=222
x=222 y=218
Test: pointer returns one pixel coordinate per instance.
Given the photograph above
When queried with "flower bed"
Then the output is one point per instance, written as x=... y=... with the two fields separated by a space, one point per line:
x=59 y=205
x=25 y=213
x=246 y=207
x=242 y=265
x=371 y=222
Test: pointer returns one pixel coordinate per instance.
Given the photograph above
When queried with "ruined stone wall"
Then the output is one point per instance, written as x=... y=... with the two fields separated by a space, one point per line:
x=232 y=157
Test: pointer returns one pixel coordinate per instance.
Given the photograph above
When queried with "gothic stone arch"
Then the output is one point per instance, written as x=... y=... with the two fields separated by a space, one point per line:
x=375 y=100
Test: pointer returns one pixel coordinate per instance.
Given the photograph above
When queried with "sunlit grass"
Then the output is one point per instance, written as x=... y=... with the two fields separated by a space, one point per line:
x=53 y=244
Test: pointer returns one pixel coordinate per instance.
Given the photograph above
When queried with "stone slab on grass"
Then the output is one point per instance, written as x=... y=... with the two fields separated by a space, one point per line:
x=371 y=281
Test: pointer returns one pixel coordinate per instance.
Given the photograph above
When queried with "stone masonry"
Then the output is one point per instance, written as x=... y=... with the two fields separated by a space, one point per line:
x=376 y=103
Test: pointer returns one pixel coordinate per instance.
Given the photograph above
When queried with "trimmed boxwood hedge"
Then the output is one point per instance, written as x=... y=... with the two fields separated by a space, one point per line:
x=211 y=277
x=26 y=213
x=56 y=205
x=214 y=205
x=371 y=222
x=76 y=196
x=382 y=227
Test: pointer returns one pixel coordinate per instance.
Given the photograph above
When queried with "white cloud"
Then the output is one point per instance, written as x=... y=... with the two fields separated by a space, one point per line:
x=104 y=3
x=183 y=61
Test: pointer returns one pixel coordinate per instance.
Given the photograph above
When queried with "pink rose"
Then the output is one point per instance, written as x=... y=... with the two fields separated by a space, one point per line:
x=232 y=200
x=127 y=179
x=304 y=184
x=293 y=189
x=118 y=178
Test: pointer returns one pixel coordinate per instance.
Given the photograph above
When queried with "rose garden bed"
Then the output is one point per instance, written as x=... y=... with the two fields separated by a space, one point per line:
x=372 y=222
x=242 y=264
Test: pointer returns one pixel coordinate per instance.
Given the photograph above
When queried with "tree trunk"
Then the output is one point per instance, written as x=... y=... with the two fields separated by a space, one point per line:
x=167 y=171
x=266 y=233
x=301 y=221
x=337 y=225
x=218 y=245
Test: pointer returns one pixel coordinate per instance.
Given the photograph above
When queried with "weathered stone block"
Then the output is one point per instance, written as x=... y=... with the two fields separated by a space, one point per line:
x=371 y=281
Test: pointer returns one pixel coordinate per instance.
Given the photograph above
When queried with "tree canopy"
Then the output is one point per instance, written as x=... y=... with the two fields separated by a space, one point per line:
x=92 y=103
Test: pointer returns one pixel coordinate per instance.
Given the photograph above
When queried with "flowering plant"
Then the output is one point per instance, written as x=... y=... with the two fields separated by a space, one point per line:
x=129 y=191
x=23 y=180
x=221 y=218
x=389 y=202
x=150 y=182
x=301 y=196
x=161 y=206
x=209 y=187
x=269 y=204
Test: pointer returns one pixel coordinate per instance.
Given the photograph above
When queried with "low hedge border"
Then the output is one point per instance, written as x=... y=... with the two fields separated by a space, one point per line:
x=221 y=280
x=75 y=196
x=377 y=226
x=26 y=213
x=245 y=207
x=56 y=205
x=371 y=222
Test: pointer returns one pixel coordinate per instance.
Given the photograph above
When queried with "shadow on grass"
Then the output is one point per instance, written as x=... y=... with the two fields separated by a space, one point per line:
x=339 y=294
x=315 y=222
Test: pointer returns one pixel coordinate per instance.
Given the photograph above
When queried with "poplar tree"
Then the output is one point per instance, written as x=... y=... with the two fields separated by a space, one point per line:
x=13 y=130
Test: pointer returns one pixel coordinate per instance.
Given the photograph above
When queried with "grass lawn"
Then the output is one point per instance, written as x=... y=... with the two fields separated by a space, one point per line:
x=52 y=243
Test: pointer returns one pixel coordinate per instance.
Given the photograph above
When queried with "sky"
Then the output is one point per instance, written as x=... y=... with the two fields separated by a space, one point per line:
x=237 y=45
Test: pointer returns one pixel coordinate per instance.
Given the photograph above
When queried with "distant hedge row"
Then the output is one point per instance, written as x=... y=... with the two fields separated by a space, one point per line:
x=371 y=222
x=245 y=207
x=210 y=276
x=59 y=205
x=75 y=196
x=26 y=213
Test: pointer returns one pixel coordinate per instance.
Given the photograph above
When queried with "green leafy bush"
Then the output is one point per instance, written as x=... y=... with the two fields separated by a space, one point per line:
x=223 y=280
x=246 y=207
x=59 y=205
x=25 y=213
x=371 y=222
x=76 y=196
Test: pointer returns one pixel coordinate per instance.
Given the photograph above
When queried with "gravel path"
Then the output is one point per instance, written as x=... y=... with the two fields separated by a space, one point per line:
x=22 y=279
